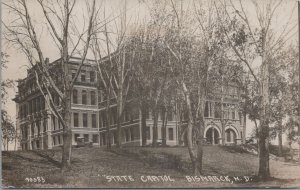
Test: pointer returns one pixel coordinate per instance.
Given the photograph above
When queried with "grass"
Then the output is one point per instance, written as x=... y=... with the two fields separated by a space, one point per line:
x=91 y=166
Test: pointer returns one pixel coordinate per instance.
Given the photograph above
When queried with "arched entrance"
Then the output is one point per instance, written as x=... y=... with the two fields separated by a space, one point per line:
x=212 y=135
x=230 y=136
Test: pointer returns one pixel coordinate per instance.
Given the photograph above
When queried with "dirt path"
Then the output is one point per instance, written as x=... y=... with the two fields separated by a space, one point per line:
x=285 y=170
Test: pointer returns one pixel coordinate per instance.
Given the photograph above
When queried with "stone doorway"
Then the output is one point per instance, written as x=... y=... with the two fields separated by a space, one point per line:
x=212 y=136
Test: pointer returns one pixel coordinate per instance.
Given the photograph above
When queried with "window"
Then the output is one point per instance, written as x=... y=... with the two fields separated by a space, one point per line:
x=45 y=125
x=233 y=114
x=30 y=108
x=26 y=132
x=82 y=75
x=104 y=121
x=58 y=139
x=86 y=137
x=113 y=116
x=38 y=128
x=32 y=129
x=226 y=116
x=83 y=97
x=210 y=105
x=126 y=135
x=75 y=96
x=21 y=112
x=93 y=98
x=148 y=133
x=73 y=75
x=95 y=139
x=33 y=105
x=132 y=134
x=75 y=115
x=54 y=123
x=84 y=120
x=114 y=137
x=162 y=114
x=240 y=118
x=147 y=113
x=55 y=99
x=37 y=144
x=206 y=110
x=217 y=110
x=94 y=121
x=126 y=115
x=171 y=133
x=228 y=136
x=38 y=104
x=42 y=104
x=100 y=96
x=170 y=115
x=76 y=136
x=92 y=76
x=103 y=138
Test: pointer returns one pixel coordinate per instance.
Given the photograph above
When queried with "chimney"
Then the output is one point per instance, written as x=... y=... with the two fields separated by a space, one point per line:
x=47 y=60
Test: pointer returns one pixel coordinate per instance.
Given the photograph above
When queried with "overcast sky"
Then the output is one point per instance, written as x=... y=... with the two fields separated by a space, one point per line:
x=136 y=13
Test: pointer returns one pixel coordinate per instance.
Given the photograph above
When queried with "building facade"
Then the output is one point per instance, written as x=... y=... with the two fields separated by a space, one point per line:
x=40 y=129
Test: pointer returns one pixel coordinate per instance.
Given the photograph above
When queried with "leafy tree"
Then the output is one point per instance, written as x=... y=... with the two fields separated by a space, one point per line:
x=249 y=42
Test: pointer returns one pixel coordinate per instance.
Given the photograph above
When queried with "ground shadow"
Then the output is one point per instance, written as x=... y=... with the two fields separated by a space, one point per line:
x=48 y=158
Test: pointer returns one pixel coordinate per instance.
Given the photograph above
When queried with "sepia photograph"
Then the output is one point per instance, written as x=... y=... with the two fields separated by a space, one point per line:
x=150 y=94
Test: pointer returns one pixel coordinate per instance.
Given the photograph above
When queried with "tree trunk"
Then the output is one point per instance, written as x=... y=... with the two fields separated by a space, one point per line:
x=144 y=125
x=4 y=143
x=107 y=115
x=67 y=135
x=223 y=132
x=222 y=114
x=179 y=118
x=119 y=118
x=16 y=136
x=164 y=126
x=280 y=144
x=66 y=110
x=119 y=133
x=155 y=122
x=193 y=156
x=244 y=127
x=200 y=133
x=198 y=169
x=7 y=142
x=280 y=140
x=263 y=144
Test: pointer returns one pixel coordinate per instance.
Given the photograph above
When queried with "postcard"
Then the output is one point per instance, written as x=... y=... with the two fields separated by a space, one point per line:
x=150 y=94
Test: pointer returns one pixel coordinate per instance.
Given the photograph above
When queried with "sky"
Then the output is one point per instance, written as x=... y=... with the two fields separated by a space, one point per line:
x=136 y=12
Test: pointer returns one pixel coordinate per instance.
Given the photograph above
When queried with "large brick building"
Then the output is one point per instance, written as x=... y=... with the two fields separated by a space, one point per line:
x=41 y=130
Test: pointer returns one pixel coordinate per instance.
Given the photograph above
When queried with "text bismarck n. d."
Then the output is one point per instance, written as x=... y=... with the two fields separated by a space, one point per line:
x=167 y=178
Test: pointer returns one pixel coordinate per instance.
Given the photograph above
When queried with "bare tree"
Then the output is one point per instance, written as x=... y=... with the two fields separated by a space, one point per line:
x=23 y=33
x=191 y=62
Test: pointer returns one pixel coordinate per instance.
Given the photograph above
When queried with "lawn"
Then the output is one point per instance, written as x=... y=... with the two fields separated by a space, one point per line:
x=136 y=166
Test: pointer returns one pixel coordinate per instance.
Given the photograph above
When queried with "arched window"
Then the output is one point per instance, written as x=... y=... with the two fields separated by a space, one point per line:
x=75 y=96
x=93 y=98
x=83 y=97
x=230 y=135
